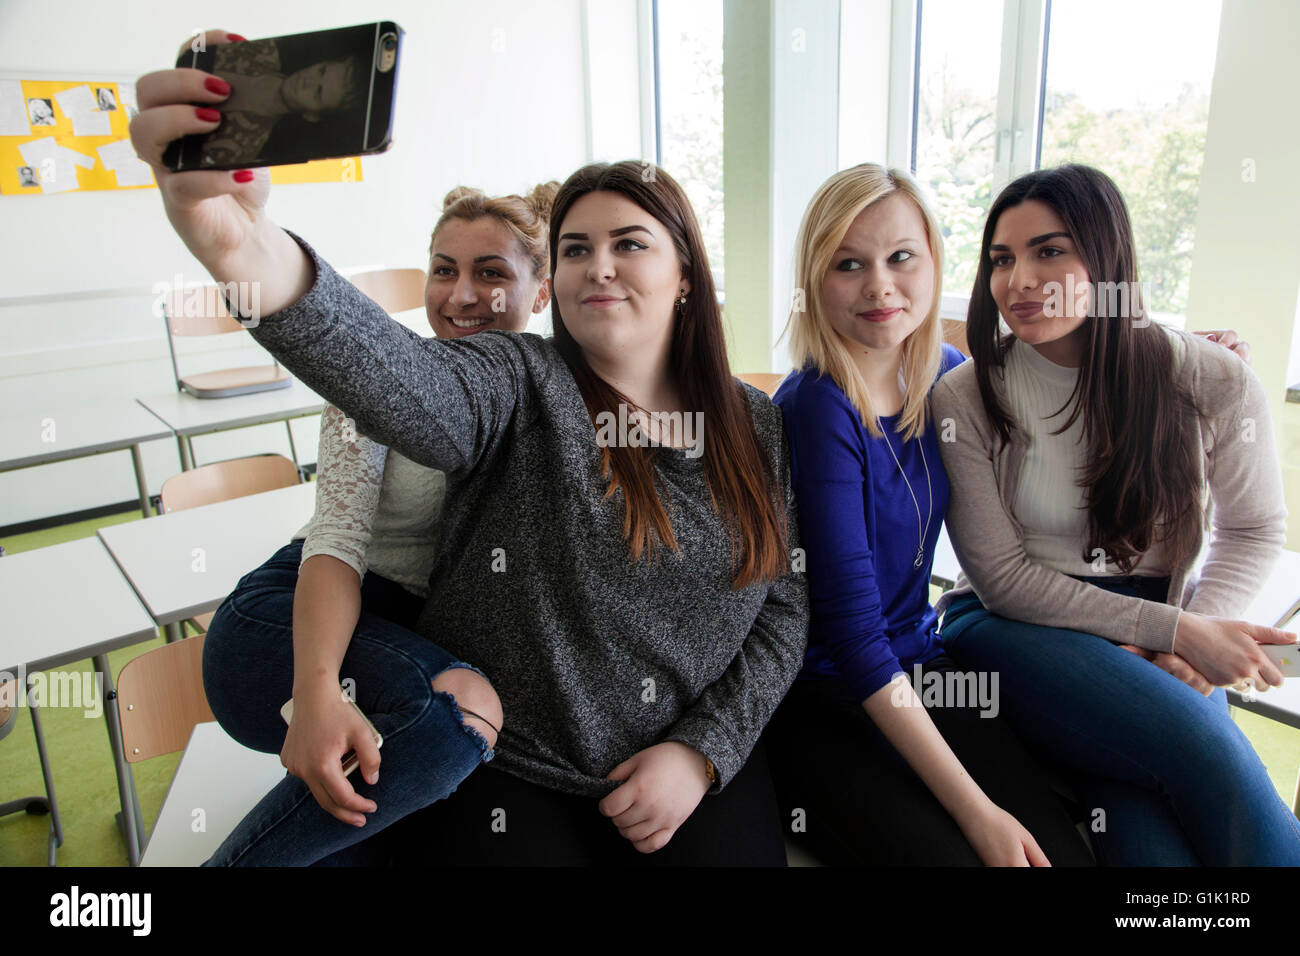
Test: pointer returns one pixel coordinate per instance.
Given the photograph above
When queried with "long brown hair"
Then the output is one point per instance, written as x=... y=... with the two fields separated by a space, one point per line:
x=1140 y=477
x=742 y=483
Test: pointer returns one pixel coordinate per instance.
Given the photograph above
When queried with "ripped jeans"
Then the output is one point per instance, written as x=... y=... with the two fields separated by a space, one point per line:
x=248 y=675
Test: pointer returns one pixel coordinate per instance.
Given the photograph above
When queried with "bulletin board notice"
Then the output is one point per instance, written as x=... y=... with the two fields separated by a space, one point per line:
x=72 y=136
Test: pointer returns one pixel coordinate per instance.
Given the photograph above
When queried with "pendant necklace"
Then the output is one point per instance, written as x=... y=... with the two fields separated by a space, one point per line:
x=920 y=544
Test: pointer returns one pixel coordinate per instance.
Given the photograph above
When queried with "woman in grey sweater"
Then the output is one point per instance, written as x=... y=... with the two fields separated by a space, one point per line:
x=621 y=574
x=1080 y=450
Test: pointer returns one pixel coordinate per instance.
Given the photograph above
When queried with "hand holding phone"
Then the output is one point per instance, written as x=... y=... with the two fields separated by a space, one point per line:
x=293 y=99
x=326 y=724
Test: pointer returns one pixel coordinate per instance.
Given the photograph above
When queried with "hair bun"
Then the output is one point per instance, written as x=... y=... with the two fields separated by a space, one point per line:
x=461 y=193
x=542 y=198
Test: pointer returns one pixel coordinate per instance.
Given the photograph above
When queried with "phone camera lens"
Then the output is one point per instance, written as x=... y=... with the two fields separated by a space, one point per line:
x=390 y=43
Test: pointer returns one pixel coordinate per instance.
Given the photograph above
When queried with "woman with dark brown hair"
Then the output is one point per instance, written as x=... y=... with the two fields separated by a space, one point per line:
x=615 y=551
x=1081 y=450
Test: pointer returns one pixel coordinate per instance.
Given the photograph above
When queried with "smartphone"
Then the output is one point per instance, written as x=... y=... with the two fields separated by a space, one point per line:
x=1285 y=656
x=350 y=759
x=296 y=98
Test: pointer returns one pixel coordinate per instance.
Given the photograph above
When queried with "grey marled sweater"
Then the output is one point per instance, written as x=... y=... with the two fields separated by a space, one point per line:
x=594 y=657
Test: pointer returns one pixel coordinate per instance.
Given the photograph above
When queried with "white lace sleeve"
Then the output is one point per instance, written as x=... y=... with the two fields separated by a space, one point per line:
x=349 y=474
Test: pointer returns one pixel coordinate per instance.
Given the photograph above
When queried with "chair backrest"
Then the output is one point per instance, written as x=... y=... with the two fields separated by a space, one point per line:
x=954 y=333
x=396 y=290
x=224 y=480
x=8 y=700
x=160 y=698
x=764 y=381
x=198 y=311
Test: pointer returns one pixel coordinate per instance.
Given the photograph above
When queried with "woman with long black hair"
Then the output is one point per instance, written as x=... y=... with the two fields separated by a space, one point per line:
x=1084 y=447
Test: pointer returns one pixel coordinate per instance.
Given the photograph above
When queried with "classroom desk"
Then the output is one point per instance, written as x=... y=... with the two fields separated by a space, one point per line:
x=79 y=432
x=1277 y=602
x=188 y=416
x=63 y=604
x=223 y=777
x=946 y=567
x=185 y=563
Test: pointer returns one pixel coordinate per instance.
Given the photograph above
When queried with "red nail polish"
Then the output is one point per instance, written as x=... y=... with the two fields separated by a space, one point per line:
x=207 y=114
x=215 y=84
x=235 y=38
x=243 y=176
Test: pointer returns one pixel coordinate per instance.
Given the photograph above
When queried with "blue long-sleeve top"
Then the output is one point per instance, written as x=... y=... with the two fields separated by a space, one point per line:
x=871 y=613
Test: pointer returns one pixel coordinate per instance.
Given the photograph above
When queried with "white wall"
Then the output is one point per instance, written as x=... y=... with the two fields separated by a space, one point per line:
x=1247 y=258
x=489 y=95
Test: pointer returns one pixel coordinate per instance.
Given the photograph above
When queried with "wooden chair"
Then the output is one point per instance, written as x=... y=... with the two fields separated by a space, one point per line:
x=395 y=290
x=202 y=311
x=954 y=333
x=763 y=381
x=222 y=481
x=161 y=705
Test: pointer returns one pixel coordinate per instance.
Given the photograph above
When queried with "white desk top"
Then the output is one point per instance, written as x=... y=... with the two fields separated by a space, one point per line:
x=1278 y=594
x=77 y=431
x=946 y=565
x=223 y=778
x=188 y=415
x=186 y=562
x=65 y=603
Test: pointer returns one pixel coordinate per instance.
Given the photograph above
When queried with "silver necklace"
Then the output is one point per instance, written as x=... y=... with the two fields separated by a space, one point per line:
x=920 y=544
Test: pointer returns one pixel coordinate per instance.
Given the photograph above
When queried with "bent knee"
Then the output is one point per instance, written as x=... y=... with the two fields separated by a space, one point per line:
x=473 y=693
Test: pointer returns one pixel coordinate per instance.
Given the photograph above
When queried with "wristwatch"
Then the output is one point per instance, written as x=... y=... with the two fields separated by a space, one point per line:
x=711 y=771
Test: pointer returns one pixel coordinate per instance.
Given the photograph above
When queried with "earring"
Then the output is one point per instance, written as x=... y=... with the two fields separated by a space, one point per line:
x=681 y=302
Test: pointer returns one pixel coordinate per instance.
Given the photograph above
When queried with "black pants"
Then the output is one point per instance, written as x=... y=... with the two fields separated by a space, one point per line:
x=860 y=803
x=497 y=819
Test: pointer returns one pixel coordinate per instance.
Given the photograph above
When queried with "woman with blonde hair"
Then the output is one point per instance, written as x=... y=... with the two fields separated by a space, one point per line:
x=892 y=755
x=340 y=601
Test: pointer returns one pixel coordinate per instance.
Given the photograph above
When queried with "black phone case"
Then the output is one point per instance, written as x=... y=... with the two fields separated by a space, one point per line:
x=294 y=99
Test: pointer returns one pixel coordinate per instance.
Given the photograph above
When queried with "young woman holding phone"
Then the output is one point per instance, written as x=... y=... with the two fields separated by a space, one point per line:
x=1089 y=446
x=631 y=601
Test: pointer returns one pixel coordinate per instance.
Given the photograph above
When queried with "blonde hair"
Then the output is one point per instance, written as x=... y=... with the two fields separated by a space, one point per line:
x=813 y=341
x=528 y=218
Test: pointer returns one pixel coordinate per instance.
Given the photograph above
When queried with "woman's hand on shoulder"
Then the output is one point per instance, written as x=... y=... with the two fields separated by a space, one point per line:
x=1230 y=340
x=998 y=838
x=661 y=787
x=325 y=727
x=1227 y=652
x=214 y=212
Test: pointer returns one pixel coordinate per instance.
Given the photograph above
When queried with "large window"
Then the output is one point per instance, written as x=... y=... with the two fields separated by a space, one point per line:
x=1006 y=86
x=689 y=74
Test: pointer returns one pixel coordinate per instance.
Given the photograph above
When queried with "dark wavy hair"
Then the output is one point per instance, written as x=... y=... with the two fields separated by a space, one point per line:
x=1140 y=477
x=743 y=485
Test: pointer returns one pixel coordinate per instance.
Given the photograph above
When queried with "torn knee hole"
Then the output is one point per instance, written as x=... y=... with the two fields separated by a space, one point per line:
x=475 y=701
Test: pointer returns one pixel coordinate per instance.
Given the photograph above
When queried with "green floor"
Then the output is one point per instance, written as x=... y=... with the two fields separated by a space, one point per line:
x=87 y=787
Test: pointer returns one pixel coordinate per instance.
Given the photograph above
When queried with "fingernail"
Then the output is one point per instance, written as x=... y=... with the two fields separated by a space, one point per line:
x=235 y=38
x=207 y=114
x=243 y=175
x=373 y=778
x=215 y=84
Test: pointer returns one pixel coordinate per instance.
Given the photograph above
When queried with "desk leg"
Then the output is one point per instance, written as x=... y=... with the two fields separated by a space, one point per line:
x=133 y=826
x=189 y=446
x=140 y=485
x=293 y=452
x=186 y=463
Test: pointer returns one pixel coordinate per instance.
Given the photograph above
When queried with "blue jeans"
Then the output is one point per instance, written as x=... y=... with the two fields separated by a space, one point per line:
x=248 y=675
x=1165 y=775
